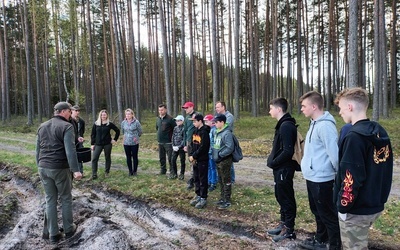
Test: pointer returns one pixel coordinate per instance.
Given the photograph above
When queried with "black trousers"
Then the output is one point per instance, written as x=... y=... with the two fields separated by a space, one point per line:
x=320 y=197
x=284 y=194
x=200 y=174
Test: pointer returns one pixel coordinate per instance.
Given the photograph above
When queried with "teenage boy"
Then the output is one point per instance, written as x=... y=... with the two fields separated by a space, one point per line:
x=319 y=166
x=222 y=155
x=199 y=158
x=280 y=160
x=365 y=173
x=212 y=166
x=178 y=142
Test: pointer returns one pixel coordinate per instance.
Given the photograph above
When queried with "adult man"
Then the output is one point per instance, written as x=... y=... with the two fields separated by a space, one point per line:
x=79 y=126
x=319 y=166
x=189 y=128
x=365 y=173
x=280 y=160
x=165 y=126
x=220 y=108
x=56 y=159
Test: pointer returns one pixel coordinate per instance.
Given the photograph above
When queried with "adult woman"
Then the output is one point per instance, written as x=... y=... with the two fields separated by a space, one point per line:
x=101 y=139
x=132 y=130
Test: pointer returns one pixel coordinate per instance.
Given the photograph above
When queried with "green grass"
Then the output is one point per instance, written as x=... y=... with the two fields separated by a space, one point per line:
x=258 y=205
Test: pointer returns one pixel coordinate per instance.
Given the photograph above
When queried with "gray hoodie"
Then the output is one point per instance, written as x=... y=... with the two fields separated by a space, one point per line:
x=223 y=144
x=320 y=160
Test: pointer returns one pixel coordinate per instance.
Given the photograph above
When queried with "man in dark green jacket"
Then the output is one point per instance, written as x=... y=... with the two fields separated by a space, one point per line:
x=165 y=126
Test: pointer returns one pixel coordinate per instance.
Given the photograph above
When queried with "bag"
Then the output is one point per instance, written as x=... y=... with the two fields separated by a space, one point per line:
x=237 y=154
x=298 y=150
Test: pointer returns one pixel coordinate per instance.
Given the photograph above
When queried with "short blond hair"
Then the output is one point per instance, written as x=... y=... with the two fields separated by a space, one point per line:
x=358 y=95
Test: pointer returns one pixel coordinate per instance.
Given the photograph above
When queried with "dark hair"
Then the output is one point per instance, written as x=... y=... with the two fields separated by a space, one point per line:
x=280 y=102
x=162 y=106
x=223 y=104
x=314 y=97
x=199 y=117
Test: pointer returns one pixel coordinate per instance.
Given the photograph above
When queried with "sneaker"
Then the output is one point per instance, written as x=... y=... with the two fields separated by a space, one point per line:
x=312 y=243
x=277 y=230
x=106 y=175
x=219 y=202
x=212 y=187
x=286 y=233
x=224 y=205
x=162 y=172
x=195 y=200
x=72 y=232
x=201 y=204
x=56 y=238
x=190 y=184
x=172 y=176
x=181 y=177
x=94 y=177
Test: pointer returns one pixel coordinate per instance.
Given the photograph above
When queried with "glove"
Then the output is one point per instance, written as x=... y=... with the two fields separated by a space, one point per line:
x=175 y=148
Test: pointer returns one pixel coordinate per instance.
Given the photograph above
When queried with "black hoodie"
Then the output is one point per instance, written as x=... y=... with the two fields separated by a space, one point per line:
x=283 y=145
x=364 y=178
x=200 y=143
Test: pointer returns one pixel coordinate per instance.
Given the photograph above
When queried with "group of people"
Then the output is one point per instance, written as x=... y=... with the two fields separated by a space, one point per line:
x=207 y=141
x=348 y=177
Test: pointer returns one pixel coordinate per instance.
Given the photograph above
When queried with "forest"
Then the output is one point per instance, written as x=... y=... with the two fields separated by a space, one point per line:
x=138 y=54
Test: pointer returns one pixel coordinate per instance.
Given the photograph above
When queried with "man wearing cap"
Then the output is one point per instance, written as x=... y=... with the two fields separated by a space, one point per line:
x=189 y=128
x=56 y=158
x=165 y=126
x=220 y=108
x=178 y=143
x=79 y=126
x=222 y=155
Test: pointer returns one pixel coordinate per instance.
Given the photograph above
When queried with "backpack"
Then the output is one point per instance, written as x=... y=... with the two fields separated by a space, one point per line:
x=298 y=150
x=237 y=154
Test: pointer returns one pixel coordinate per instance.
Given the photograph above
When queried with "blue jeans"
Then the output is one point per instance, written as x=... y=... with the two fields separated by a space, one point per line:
x=57 y=182
x=212 y=171
x=131 y=152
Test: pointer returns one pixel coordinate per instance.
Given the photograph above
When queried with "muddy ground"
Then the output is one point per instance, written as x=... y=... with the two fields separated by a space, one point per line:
x=109 y=220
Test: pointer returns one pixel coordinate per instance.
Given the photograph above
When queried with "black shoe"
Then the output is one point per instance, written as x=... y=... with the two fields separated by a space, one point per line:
x=181 y=177
x=72 y=232
x=190 y=184
x=225 y=205
x=286 y=233
x=56 y=238
x=219 y=202
x=172 y=176
x=312 y=243
x=162 y=172
x=277 y=230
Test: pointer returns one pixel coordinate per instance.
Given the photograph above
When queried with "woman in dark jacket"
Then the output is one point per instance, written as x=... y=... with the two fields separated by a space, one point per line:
x=101 y=139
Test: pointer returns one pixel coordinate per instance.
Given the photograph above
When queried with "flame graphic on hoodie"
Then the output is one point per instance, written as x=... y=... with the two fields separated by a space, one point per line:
x=347 y=196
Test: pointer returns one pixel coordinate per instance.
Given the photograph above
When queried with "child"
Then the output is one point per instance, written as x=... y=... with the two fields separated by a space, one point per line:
x=222 y=155
x=178 y=142
x=212 y=166
x=198 y=156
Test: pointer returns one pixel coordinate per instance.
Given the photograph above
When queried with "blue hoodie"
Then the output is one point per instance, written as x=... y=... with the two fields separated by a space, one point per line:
x=320 y=160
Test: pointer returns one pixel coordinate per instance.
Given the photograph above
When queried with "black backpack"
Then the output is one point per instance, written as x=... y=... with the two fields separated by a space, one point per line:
x=237 y=154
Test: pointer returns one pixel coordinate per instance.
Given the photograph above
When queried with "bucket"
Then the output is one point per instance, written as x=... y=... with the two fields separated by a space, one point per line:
x=84 y=154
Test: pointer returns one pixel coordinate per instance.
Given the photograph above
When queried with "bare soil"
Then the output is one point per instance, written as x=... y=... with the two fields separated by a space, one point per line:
x=108 y=219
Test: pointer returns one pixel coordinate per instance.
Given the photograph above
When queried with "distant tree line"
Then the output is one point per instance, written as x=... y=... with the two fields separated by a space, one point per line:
x=138 y=54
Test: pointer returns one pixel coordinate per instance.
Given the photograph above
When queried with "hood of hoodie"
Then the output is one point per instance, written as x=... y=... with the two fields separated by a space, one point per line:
x=286 y=117
x=372 y=131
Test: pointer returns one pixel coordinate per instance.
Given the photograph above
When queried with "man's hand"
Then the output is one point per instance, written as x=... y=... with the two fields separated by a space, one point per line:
x=191 y=159
x=77 y=176
x=81 y=139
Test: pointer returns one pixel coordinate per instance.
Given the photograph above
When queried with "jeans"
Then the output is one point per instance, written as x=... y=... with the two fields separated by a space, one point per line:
x=131 y=152
x=212 y=171
x=200 y=174
x=320 y=198
x=96 y=155
x=165 y=149
x=182 y=156
x=284 y=194
x=57 y=182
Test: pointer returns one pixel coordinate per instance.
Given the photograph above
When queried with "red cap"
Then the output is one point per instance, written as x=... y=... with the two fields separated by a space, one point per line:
x=188 y=105
x=208 y=117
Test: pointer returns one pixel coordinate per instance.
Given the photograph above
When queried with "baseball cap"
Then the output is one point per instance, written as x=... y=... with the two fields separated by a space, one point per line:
x=219 y=118
x=62 y=105
x=188 y=105
x=76 y=107
x=179 y=118
x=208 y=117
x=198 y=117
